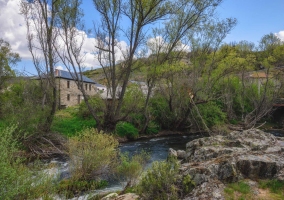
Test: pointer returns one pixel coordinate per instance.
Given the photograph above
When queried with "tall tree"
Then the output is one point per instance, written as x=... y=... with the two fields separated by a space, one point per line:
x=176 y=20
x=40 y=17
x=71 y=38
x=139 y=15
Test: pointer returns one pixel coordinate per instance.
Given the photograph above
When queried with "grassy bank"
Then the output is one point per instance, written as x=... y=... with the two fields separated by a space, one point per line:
x=68 y=122
x=263 y=189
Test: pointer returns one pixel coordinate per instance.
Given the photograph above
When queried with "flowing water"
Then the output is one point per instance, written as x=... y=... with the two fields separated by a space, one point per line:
x=156 y=147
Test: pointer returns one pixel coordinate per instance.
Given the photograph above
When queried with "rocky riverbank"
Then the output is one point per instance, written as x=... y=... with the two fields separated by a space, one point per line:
x=213 y=162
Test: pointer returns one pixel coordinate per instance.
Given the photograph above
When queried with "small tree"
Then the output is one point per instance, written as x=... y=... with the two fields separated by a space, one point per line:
x=7 y=60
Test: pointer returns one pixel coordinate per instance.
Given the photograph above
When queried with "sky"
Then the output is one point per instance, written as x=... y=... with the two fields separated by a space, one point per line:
x=255 y=19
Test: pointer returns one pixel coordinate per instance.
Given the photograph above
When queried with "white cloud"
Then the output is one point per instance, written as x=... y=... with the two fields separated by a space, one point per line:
x=59 y=68
x=280 y=35
x=12 y=27
x=158 y=44
x=13 y=30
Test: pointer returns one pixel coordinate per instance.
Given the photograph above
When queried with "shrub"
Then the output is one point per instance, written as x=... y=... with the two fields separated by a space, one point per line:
x=16 y=180
x=126 y=129
x=130 y=168
x=92 y=153
x=96 y=102
x=153 y=128
x=212 y=114
x=134 y=99
x=159 y=109
x=22 y=105
x=162 y=181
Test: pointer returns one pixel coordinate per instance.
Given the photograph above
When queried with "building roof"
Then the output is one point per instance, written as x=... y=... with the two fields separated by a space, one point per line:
x=70 y=75
x=100 y=85
x=258 y=75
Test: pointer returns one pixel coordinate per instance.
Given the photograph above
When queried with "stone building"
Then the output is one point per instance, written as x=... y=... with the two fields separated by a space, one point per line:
x=68 y=92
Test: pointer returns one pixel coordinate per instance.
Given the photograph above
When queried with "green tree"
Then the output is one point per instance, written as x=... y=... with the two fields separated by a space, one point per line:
x=7 y=60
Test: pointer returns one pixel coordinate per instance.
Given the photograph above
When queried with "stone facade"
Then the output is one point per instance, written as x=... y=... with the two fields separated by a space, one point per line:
x=69 y=94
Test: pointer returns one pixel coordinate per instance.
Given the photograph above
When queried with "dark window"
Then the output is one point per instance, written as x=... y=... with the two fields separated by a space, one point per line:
x=79 y=99
x=86 y=86
x=68 y=84
x=68 y=97
x=90 y=86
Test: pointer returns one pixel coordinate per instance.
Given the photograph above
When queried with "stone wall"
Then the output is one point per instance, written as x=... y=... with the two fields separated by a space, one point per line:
x=70 y=95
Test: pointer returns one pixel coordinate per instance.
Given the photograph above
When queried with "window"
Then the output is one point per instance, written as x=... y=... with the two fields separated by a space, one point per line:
x=90 y=86
x=86 y=86
x=79 y=99
x=68 y=97
x=68 y=84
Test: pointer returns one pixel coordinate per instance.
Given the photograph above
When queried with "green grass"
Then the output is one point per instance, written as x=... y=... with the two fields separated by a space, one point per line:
x=240 y=187
x=68 y=123
x=275 y=186
x=70 y=188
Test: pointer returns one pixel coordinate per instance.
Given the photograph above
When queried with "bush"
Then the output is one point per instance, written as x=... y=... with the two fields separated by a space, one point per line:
x=96 y=102
x=126 y=129
x=16 y=180
x=159 y=109
x=162 y=181
x=212 y=114
x=153 y=128
x=130 y=168
x=22 y=105
x=133 y=100
x=92 y=153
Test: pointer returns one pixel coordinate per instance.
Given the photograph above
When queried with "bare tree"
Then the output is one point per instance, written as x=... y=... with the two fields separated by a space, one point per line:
x=69 y=45
x=40 y=17
x=138 y=14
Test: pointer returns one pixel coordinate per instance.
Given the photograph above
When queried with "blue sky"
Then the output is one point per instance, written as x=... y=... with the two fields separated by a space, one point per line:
x=255 y=19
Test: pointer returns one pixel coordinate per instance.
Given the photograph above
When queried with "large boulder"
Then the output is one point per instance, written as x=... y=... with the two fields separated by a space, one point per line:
x=250 y=154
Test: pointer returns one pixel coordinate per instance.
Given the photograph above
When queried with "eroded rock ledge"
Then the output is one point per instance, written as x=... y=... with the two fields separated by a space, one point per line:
x=214 y=161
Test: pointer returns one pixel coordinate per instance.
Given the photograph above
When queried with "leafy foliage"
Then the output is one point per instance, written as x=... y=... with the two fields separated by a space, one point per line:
x=152 y=128
x=212 y=113
x=21 y=104
x=159 y=109
x=96 y=102
x=16 y=180
x=92 y=153
x=130 y=168
x=162 y=181
x=126 y=129
x=7 y=60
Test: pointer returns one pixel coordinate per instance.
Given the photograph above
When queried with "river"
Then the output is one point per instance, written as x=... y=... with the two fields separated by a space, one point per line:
x=156 y=147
